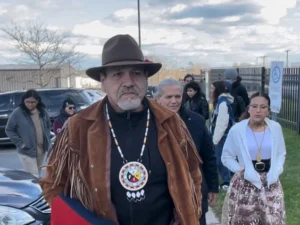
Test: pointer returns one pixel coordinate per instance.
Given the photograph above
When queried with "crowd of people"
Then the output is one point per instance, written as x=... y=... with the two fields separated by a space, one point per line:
x=128 y=159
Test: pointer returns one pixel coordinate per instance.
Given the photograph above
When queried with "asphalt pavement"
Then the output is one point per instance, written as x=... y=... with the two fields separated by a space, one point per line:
x=9 y=158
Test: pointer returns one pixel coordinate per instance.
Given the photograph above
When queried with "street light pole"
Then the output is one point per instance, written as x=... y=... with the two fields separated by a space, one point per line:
x=139 y=22
x=287 y=58
x=264 y=60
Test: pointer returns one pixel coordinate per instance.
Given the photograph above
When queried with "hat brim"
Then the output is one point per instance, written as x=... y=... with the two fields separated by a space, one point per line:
x=151 y=68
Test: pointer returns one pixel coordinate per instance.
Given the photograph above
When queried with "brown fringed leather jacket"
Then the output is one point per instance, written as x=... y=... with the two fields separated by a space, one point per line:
x=80 y=162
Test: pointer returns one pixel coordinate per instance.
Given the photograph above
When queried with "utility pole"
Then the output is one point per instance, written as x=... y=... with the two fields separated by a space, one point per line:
x=287 y=58
x=264 y=60
x=263 y=74
x=139 y=22
x=69 y=78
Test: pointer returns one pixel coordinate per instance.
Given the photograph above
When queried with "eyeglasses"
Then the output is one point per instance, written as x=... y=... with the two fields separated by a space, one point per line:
x=30 y=102
x=71 y=107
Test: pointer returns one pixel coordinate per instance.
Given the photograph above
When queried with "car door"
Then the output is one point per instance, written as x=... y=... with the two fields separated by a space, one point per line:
x=5 y=111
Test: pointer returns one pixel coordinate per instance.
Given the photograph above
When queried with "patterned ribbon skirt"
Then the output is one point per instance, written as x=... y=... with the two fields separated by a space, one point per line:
x=245 y=204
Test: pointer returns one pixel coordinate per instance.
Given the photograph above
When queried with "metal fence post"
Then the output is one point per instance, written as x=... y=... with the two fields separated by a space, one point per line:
x=298 y=102
x=263 y=79
x=207 y=93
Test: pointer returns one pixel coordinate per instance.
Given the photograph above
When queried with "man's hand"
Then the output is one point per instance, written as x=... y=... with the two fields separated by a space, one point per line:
x=212 y=198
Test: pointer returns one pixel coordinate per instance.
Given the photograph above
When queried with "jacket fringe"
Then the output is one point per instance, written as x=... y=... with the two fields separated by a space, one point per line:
x=187 y=140
x=66 y=158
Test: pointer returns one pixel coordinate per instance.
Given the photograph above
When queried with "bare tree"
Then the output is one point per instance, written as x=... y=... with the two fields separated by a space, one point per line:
x=46 y=50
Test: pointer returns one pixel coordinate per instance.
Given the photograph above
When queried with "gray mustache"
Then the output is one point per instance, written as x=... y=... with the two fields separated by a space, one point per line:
x=125 y=90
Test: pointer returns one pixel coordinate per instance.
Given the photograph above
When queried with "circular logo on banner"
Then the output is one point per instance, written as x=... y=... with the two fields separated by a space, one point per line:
x=133 y=176
x=276 y=74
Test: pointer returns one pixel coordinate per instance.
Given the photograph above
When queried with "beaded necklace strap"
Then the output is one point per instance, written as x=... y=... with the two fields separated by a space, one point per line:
x=116 y=141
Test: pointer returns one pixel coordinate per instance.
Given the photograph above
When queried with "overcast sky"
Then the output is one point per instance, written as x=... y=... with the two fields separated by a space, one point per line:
x=211 y=32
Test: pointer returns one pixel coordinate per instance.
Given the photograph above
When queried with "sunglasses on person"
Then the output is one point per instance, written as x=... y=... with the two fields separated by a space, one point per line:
x=71 y=107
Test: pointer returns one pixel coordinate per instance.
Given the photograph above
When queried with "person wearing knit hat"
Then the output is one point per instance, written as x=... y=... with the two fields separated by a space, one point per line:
x=231 y=75
x=237 y=90
x=67 y=110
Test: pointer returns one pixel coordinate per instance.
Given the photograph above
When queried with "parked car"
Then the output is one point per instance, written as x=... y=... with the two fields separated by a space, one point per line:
x=52 y=98
x=150 y=91
x=21 y=200
x=95 y=95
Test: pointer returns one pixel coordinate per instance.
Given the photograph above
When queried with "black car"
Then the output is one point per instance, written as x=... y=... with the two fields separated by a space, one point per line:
x=52 y=98
x=21 y=200
x=150 y=91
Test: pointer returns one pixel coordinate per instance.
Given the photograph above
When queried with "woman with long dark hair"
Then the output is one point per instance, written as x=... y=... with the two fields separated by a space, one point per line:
x=195 y=99
x=255 y=151
x=29 y=128
x=222 y=120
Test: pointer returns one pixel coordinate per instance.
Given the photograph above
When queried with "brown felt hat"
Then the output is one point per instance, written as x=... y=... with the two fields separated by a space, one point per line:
x=122 y=50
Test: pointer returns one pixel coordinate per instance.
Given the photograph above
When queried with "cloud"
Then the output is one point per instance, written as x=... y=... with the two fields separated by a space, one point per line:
x=167 y=2
x=216 y=11
x=164 y=17
x=274 y=10
x=3 y=10
x=292 y=18
x=21 y=9
x=16 y=13
x=213 y=47
x=231 y=19
x=125 y=14
x=221 y=35
x=150 y=36
x=92 y=50
x=101 y=30
x=215 y=32
x=189 y=2
x=26 y=10
x=178 y=8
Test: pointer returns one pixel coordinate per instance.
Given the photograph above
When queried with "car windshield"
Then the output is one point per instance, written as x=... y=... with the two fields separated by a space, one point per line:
x=54 y=98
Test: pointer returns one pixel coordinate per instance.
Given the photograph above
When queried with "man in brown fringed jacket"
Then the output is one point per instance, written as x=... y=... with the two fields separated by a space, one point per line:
x=126 y=158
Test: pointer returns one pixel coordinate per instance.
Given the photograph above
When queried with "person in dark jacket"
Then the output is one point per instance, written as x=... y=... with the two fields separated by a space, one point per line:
x=169 y=94
x=237 y=89
x=187 y=78
x=67 y=110
x=195 y=99
x=28 y=127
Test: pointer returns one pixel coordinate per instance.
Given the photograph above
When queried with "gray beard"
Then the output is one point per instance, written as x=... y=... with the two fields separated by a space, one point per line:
x=130 y=104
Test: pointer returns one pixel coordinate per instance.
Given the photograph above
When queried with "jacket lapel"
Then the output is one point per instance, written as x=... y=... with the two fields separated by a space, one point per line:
x=273 y=138
x=273 y=150
x=244 y=139
x=99 y=152
x=160 y=117
x=170 y=147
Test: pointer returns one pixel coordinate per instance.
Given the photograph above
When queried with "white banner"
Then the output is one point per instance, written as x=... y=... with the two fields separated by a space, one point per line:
x=275 y=85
